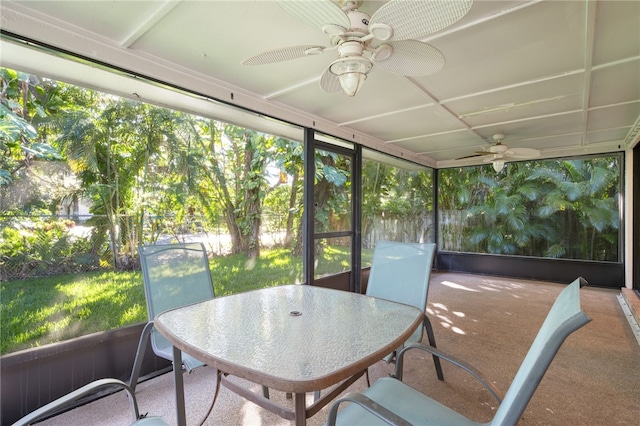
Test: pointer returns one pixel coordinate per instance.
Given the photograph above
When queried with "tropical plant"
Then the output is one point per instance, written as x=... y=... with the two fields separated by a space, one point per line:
x=549 y=208
x=42 y=247
x=25 y=101
x=107 y=143
x=582 y=201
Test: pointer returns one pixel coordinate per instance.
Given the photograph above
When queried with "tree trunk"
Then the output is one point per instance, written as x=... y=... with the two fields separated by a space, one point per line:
x=289 y=232
x=231 y=219
x=252 y=201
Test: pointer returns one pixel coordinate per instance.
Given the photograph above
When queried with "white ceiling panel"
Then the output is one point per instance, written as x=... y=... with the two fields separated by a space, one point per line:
x=537 y=127
x=511 y=49
x=608 y=136
x=604 y=93
x=113 y=20
x=614 y=117
x=444 y=145
x=617 y=31
x=423 y=121
x=519 y=107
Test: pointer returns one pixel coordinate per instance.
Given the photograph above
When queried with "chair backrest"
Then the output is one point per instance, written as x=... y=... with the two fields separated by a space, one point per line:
x=401 y=272
x=174 y=275
x=564 y=318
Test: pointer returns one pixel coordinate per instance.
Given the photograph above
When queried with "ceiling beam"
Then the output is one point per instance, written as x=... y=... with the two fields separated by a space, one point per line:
x=589 y=47
x=148 y=23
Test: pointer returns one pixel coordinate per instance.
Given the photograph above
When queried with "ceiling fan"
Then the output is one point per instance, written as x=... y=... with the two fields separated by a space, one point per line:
x=387 y=39
x=498 y=153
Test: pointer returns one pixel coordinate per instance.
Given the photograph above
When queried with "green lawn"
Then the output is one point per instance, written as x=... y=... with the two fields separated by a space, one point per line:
x=36 y=312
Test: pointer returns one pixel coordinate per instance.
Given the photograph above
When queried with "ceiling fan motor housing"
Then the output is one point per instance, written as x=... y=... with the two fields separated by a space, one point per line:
x=359 y=23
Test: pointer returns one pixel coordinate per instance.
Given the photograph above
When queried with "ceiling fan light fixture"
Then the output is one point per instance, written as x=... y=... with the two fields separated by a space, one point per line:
x=351 y=72
x=498 y=165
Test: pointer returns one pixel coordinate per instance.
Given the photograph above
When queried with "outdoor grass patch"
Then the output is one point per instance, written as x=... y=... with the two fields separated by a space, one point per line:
x=39 y=311
x=238 y=273
x=35 y=312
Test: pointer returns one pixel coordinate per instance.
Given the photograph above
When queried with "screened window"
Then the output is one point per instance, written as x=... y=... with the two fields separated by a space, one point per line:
x=397 y=202
x=86 y=177
x=559 y=208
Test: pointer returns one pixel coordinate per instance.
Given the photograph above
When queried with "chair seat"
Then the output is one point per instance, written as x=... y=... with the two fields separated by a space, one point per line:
x=403 y=400
x=165 y=350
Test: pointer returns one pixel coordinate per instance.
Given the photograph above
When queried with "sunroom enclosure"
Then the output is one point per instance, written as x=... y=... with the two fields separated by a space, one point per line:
x=352 y=202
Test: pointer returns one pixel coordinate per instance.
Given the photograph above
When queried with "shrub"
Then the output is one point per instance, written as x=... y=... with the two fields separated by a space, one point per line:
x=43 y=247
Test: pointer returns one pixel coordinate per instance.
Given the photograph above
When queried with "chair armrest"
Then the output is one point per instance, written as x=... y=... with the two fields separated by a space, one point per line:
x=453 y=360
x=369 y=405
x=68 y=399
x=142 y=348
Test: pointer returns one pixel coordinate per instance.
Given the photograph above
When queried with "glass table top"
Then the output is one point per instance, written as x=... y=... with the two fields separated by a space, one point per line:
x=293 y=337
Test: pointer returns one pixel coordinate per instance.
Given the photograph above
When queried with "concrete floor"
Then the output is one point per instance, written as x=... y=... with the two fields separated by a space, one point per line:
x=487 y=321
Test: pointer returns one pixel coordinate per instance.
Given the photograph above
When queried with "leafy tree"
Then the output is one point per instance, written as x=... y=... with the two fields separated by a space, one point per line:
x=331 y=191
x=582 y=200
x=165 y=191
x=232 y=166
x=375 y=178
x=25 y=102
x=107 y=143
x=288 y=159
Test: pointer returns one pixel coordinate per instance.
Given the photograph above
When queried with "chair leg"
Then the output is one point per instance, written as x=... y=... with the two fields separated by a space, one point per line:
x=265 y=392
x=142 y=348
x=432 y=342
x=366 y=373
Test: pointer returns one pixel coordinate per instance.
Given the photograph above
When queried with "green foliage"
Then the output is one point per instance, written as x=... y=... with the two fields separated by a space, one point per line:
x=25 y=102
x=550 y=208
x=332 y=191
x=32 y=248
x=397 y=202
x=109 y=143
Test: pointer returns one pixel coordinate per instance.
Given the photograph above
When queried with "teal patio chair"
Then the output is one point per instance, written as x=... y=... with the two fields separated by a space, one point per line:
x=174 y=275
x=390 y=401
x=71 y=400
x=401 y=272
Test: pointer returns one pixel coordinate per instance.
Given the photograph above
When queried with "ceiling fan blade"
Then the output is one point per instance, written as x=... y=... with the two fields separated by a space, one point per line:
x=317 y=13
x=522 y=153
x=412 y=19
x=329 y=82
x=412 y=58
x=283 y=54
x=472 y=156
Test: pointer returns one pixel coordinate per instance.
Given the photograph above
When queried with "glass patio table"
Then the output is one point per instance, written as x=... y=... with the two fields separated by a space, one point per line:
x=291 y=338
